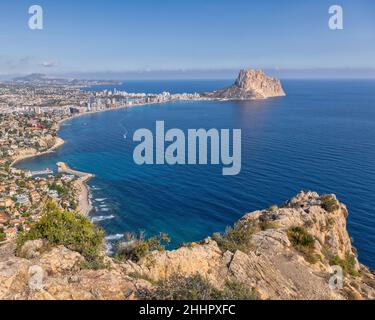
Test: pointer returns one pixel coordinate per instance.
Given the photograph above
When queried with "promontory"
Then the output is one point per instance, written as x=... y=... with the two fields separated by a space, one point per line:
x=297 y=250
x=250 y=85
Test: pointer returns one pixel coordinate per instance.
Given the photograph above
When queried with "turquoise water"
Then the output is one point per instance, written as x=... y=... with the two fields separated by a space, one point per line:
x=319 y=137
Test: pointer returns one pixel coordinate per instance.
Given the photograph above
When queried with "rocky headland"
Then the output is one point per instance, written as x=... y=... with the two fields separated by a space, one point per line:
x=49 y=143
x=284 y=252
x=80 y=186
x=250 y=85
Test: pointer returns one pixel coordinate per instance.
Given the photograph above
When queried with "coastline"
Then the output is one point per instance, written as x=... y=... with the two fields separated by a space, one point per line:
x=84 y=203
x=83 y=197
x=59 y=142
x=133 y=106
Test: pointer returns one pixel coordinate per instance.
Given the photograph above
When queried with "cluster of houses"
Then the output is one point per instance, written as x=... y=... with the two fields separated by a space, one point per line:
x=29 y=117
x=22 y=198
x=25 y=133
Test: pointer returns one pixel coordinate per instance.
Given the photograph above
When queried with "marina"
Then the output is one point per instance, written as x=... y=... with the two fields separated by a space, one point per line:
x=40 y=172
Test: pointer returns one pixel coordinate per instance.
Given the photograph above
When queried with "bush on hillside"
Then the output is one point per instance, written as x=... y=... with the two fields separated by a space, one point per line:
x=70 y=229
x=195 y=287
x=298 y=236
x=303 y=242
x=348 y=264
x=135 y=247
x=235 y=238
x=2 y=236
x=329 y=203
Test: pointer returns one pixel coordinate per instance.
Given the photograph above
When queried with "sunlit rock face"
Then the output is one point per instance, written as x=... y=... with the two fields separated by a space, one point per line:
x=272 y=264
x=250 y=85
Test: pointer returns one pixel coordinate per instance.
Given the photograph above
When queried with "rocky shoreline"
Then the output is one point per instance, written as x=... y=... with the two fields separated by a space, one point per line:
x=289 y=254
x=59 y=142
x=81 y=187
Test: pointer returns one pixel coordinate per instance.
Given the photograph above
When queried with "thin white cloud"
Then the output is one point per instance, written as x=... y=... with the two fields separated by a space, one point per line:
x=48 y=64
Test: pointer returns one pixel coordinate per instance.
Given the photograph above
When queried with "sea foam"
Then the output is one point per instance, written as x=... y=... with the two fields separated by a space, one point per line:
x=102 y=218
x=114 y=237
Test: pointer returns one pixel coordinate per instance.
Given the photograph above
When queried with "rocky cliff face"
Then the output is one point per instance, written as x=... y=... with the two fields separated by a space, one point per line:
x=289 y=256
x=250 y=84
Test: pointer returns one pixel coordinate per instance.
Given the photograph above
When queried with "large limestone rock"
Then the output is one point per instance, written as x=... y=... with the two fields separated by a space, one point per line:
x=206 y=260
x=32 y=249
x=251 y=84
x=14 y=278
x=36 y=278
x=57 y=275
x=271 y=265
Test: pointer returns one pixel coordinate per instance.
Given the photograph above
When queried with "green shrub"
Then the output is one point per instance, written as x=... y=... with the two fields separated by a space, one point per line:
x=298 y=236
x=60 y=189
x=137 y=247
x=235 y=238
x=267 y=224
x=309 y=255
x=235 y=290
x=304 y=243
x=329 y=203
x=195 y=287
x=348 y=265
x=2 y=236
x=140 y=276
x=70 y=229
x=181 y=288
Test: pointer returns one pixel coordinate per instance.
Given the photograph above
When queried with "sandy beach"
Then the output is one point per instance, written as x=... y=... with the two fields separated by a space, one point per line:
x=84 y=205
x=83 y=190
x=59 y=141
x=80 y=185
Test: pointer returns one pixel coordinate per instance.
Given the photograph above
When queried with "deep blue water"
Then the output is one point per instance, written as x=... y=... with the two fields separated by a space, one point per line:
x=319 y=137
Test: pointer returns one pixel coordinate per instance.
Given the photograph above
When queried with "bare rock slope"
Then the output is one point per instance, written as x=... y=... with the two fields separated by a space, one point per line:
x=289 y=256
x=250 y=85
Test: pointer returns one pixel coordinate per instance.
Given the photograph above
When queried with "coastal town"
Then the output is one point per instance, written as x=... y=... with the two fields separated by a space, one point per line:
x=23 y=193
x=31 y=111
x=307 y=233
x=187 y=159
x=33 y=107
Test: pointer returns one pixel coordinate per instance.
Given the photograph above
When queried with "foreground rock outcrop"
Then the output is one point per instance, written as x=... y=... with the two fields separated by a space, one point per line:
x=251 y=84
x=289 y=255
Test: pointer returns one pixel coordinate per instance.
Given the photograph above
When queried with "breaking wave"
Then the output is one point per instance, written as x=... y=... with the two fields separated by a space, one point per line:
x=102 y=218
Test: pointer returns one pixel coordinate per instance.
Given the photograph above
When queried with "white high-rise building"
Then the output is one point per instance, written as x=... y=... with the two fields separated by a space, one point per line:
x=90 y=103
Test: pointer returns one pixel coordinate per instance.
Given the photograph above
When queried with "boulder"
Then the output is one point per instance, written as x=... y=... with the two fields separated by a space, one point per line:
x=32 y=249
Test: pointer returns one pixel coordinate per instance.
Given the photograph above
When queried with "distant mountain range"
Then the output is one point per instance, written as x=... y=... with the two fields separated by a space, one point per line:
x=42 y=79
x=32 y=77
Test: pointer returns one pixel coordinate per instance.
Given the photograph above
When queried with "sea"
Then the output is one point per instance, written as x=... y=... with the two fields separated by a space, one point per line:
x=320 y=137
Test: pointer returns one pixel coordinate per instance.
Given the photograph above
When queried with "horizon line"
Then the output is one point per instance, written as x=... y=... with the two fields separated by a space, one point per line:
x=201 y=74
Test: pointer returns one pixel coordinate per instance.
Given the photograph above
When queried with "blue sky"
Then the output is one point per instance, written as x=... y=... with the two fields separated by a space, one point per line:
x=207 y=37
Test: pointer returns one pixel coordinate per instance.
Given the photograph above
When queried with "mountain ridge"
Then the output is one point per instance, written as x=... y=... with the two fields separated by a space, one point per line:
x=284 y=252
